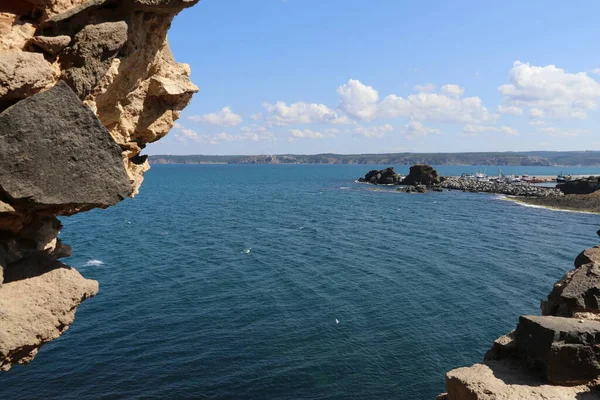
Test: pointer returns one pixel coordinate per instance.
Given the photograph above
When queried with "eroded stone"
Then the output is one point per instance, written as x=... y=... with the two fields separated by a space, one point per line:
x=76 y=166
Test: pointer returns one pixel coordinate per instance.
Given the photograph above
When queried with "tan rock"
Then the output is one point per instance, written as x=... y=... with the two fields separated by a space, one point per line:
x=507 y=380
x=51 y=44
x=36 y=310
x=23 y=74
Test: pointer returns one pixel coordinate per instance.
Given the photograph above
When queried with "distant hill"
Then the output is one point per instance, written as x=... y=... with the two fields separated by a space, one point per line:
x=529 y=158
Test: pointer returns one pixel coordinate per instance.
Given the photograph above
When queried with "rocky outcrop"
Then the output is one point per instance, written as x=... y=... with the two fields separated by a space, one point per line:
x=382 y=177
x=556 y=355
x=422 y=174
x=84 y=86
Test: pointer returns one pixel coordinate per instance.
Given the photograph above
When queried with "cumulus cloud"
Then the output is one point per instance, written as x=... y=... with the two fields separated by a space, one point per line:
x=452 y=90
x=473 y=130
x=428 y=87
x=358 y=100
x=306 y=134
x=361 y=102
x=415 y=128
x=225 y=117
x=283 y=114
x=245 y=134
x=550 y=91
x=377 y=131
x=510 y=110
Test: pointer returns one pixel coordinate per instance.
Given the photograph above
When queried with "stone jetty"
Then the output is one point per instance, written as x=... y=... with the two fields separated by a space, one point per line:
x=511 y=189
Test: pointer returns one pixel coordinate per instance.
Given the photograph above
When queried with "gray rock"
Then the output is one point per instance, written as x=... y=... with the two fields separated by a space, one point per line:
x=502 y=348
x=90 y=55
x=57 y=156
x=565 y=349
x=577 y=291
x=51 y=44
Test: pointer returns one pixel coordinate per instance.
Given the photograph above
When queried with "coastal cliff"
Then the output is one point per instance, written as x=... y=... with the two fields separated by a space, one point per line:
x=84 y=86
x=552 y=356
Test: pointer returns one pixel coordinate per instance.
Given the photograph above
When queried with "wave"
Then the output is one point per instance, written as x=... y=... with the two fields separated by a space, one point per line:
x=93 y=263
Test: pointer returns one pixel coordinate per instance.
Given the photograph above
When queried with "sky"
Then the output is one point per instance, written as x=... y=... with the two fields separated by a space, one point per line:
x=378 y=76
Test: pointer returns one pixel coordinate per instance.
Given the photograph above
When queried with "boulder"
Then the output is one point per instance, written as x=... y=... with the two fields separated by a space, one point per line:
x=51 y=44
x=77 y=166
x=566 y=350
x=508 y=380
x=423 y=174
x=22 y=74
x=578 y=291
x=90 y=56
x=37 y=310
x=588 y=256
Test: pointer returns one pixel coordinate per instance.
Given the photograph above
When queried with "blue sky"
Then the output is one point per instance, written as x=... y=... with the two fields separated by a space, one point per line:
x=349 y=76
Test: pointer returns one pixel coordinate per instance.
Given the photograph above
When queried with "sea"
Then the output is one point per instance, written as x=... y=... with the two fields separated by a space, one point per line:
x=297 y=282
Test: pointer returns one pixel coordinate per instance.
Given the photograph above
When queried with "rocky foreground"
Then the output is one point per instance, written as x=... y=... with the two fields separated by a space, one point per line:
x=84 y=86
x=552 y=356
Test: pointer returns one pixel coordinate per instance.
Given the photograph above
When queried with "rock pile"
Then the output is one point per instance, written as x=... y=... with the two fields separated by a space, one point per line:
x=382 y=177
x=84 y=86
x=556 y=355
x=511 y=189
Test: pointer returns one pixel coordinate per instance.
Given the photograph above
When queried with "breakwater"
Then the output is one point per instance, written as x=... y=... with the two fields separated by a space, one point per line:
x=511 y=189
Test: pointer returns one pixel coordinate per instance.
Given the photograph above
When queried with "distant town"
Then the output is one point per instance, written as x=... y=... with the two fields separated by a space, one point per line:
x=530 y=158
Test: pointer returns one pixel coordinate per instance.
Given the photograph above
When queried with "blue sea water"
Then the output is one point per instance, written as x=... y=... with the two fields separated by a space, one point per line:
x=295 y=282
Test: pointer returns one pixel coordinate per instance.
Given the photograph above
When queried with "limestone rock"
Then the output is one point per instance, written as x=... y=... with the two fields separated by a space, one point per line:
x=23 y=74
x=565 y=349
x=577 y=291
x=51 y=44
x=90 y=56
x=35 y=310
x=508 y=380
x=77 y=165
x=423 y=174
x=63 y=152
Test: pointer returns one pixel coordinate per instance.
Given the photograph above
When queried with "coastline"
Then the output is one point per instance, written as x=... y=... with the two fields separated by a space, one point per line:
x=522 y=201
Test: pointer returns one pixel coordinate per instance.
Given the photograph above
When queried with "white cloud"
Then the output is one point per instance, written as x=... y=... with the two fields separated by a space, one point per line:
x=473 y=130
x=428 y=87
x=453 y=90
x=596 y=71
x=510 y=110
x=246 y=134
x=357 y=100
x=559 y=133
x=225 y=117
x=377 y=131
x=537 y=122
x=362 y=102
x=307 y=134
x=256 y=116
x=551 y=90
x=536 y=113
x=415 y=128
x=302 y=113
